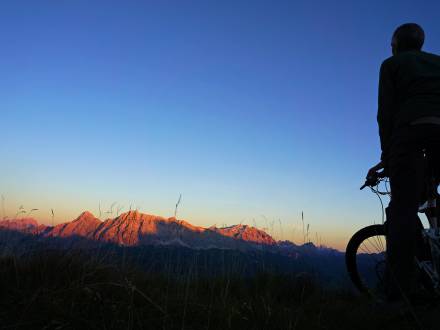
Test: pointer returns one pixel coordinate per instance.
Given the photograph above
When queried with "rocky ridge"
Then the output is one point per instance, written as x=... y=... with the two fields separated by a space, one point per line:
x=134 y=228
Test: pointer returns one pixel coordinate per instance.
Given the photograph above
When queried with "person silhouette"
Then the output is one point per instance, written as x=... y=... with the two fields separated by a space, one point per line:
x=409 y=120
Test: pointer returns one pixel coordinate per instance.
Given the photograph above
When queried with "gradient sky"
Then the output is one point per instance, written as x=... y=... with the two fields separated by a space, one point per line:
x=253 y=110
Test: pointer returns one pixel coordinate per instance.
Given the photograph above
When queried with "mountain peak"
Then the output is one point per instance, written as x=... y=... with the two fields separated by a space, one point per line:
x=247 y=233
x=136 y=228
x=135 y=215
x=87 y=218
x=85 y=215
x=84 y=225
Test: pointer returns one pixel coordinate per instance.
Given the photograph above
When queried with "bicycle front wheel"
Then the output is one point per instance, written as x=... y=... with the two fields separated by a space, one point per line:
x=365 y=258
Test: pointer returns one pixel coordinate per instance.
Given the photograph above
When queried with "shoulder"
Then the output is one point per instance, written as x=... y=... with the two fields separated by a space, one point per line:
x=388 y=64
x=430 y=56
x=388 y=61
x=392 y=63
x=414 y=56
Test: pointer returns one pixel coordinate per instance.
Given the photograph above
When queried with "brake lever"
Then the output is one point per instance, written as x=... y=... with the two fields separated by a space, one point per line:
x=373 y=180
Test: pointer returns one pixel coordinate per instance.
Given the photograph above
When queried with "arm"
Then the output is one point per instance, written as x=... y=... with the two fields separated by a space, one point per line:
x=384 y=114
x=385 y=108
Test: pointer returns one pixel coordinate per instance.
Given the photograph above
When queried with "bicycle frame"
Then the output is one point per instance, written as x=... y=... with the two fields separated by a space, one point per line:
x=431 y=237
x=428 y=257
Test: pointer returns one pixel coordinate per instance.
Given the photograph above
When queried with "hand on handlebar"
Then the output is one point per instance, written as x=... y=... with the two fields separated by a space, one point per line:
x=372 y=171
x=374 y=176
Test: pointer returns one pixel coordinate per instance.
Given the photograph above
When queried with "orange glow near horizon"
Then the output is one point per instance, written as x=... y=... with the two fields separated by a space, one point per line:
x=331 y=238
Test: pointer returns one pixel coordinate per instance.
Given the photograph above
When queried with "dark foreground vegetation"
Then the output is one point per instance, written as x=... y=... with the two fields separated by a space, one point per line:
x=78 y=284
x=71 y=289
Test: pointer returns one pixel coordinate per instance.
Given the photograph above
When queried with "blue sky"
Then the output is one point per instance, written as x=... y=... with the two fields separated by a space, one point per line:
x=253 y=110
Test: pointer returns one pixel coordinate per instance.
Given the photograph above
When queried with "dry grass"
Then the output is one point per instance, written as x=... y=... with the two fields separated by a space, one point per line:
x=75 y=290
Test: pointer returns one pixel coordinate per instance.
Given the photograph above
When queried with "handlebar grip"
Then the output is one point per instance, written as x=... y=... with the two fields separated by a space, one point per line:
x=373 y=180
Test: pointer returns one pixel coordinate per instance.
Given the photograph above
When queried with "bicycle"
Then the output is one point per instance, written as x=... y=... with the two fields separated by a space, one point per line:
x=366 y=250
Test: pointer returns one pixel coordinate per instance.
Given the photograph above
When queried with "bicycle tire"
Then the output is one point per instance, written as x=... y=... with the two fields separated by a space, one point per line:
x=351 y=254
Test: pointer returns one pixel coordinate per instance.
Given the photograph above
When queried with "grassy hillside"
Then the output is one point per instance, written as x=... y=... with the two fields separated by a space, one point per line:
x=55 y=289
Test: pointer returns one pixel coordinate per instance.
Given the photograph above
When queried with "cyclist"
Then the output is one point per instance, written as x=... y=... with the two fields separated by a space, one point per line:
x=409 y=120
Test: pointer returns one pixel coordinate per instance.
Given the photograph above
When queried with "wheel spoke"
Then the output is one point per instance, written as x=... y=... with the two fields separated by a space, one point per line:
x=375 y=244
x=366 y=256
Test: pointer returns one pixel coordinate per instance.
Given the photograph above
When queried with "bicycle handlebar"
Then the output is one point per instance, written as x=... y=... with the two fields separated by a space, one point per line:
x=373 y=180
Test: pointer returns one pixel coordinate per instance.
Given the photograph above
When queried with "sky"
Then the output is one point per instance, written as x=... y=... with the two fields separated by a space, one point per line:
x=254 y=111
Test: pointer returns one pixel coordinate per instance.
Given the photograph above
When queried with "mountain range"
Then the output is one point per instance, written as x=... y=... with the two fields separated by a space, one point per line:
x=134 y=228
x=172 y=246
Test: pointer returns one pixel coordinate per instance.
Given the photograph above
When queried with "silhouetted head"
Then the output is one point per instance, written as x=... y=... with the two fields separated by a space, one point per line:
x=409 y=36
